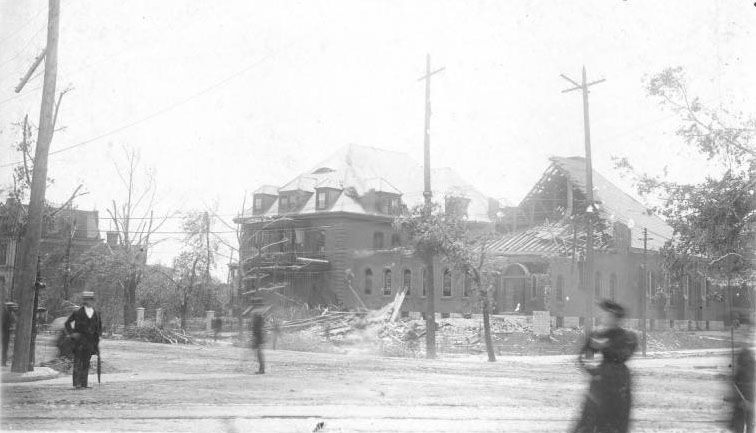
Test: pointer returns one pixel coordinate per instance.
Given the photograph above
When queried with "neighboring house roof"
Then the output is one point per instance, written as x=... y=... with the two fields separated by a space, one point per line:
x=361 y=169
x=616 y=204
x=267 y=189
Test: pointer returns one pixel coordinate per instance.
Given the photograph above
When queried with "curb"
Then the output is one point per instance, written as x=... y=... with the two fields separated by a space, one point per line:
x=39 y=373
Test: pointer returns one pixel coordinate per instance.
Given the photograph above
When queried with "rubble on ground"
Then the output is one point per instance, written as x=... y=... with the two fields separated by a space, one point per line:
x=154 y=334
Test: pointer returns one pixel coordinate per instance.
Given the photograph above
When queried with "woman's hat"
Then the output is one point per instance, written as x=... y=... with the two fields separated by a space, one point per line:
x=612 y=307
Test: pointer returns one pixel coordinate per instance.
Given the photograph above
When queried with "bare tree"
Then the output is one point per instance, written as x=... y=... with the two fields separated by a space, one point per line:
x=134 y=221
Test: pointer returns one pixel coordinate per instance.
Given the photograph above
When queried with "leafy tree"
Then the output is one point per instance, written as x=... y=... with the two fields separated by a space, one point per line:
x=713 y=220
x=460 y=243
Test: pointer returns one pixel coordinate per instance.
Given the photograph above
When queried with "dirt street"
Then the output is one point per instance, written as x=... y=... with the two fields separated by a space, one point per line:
x=157 y=387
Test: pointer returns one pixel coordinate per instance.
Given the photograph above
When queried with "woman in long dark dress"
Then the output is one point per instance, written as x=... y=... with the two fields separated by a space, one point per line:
x=607 y=405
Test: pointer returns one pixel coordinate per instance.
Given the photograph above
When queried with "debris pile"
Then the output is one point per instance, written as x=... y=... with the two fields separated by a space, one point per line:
x=154 y=334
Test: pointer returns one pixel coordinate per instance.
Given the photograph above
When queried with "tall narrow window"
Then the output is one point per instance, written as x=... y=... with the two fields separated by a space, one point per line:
x=467 y=285
x=651 y=284
x=597 y=289
x=687 y=289
x=533 y=287
x=387 y=282
x=368 y=281
x=396 y=240
x=321 y=200
x=560 y=288
x=447 y=283
x=407 y=280
x=424 y=277
x=3 y=253
x=613 y=286
x=378 y=240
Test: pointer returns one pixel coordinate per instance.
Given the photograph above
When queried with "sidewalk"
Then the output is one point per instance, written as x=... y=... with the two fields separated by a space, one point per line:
x=39 y=373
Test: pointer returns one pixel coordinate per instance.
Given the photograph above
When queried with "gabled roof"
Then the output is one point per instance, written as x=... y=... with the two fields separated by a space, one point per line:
x=361 y=169
x=616 y=204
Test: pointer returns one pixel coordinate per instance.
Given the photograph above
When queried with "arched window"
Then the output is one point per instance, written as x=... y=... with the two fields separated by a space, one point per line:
x=368 y=281
x=467 y=287
x=687 y=289
x=407 y=280
x=651 y=284
x=560 y=288
x=447 y=283
x=396 y=240
x=597 y=289
x=387 y=282
x=378 y=240
x=613 y=286
x=424 y=277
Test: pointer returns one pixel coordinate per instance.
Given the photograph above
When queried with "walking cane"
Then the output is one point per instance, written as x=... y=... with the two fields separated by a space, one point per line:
x=99 y=368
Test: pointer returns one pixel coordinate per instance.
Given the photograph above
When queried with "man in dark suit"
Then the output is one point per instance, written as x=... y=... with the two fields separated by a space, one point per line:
x=258 y=336
x=84 y=326
x=7 y=320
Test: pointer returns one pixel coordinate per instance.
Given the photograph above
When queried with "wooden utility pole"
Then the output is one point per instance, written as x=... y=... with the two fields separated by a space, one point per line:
x=207 y=265
x=591 y=211
x=31 y=239
x=69 y=242
x=644 y=291
x=430 y=310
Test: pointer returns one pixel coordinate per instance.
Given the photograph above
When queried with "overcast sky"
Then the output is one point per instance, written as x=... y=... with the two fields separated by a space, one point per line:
x=221 y=97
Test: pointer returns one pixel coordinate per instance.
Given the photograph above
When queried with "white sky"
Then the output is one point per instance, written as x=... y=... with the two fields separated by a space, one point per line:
x=224 y=96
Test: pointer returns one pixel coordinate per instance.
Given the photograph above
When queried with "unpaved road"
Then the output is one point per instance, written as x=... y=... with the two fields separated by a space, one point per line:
x=194 y=388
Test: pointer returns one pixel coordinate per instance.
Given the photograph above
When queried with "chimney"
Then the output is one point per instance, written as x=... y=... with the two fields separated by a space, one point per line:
x=112 y=238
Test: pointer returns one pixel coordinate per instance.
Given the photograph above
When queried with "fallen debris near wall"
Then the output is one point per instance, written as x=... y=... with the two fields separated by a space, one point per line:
x=154 y=334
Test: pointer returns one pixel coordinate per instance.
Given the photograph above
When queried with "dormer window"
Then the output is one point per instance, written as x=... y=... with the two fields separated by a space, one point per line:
x=321 y=200
x=263 y=199
x=284 y=203
x=387 y=204
x=392 y=205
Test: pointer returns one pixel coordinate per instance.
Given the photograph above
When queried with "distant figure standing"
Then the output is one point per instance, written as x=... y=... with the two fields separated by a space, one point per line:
x=258 y=337
x=217 y=327
x=607 y=406
x=742 y=415
x=84 y=326
x=7 y=319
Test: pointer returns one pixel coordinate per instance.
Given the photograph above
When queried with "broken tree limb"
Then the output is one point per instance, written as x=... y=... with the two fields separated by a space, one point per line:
x=398 y=301
x=31 y=70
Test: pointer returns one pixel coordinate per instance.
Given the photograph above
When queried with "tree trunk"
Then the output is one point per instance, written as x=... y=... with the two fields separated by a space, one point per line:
x=183 y=312
x=129 y=300
x=487 y=327
x=430 y=311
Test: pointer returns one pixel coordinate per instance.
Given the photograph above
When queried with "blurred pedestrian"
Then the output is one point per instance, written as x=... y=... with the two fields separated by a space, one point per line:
x=217 y=327
x=742 y=382
x=607 y=405
x=6 y=315
x=276 y=331
x=84 y=326
x=258 y=337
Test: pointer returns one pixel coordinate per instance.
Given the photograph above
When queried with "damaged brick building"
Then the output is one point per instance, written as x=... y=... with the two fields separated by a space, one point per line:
x=326 y=237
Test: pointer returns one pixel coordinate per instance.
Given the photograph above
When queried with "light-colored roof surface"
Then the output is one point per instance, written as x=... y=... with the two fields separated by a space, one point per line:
x=267 y=189
x=366 y=168
x=616 y=204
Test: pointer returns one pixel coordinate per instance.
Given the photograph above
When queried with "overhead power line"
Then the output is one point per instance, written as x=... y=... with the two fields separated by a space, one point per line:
x=159 y=112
